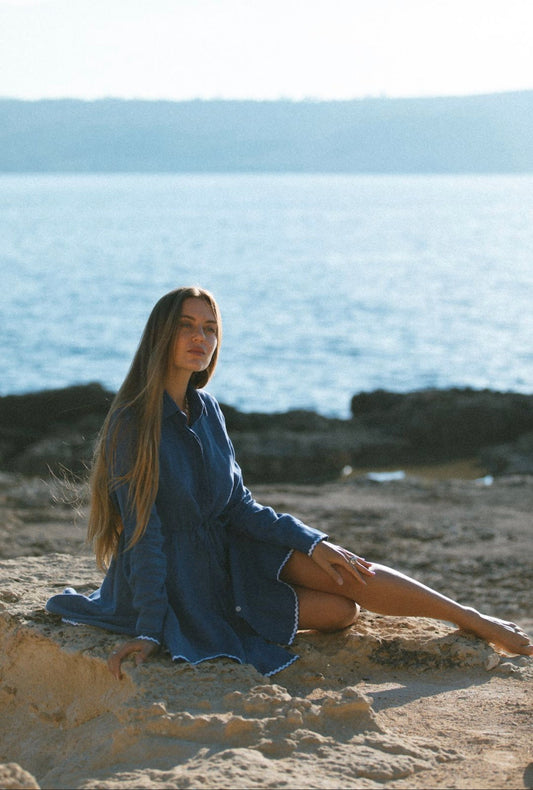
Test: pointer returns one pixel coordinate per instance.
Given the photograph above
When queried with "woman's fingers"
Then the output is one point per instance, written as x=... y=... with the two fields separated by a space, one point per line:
x=324 y=556
x=355 y=570
x=358 y=567
x=330 y=558
x=141 y=648
x=114 y=663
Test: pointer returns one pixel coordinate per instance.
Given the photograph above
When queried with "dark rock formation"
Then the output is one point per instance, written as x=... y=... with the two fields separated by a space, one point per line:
x=446 y=424
x=510 y=458
x=52 y=430
x=55 y=431
x=471 y=417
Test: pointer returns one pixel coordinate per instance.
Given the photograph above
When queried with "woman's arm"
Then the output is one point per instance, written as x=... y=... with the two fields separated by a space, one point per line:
x=144 y=564
x=244 y=514
x=145 y=569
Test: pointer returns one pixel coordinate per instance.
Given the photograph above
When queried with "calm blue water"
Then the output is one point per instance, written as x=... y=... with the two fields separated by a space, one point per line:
x=328 y=284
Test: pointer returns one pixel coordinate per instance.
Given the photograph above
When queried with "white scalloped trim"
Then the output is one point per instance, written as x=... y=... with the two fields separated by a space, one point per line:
x=149 y=639
x=235 y=658
x=207 y=658
x=296 y=602
x=70 y=622
x=315 y=544
x=275 y=671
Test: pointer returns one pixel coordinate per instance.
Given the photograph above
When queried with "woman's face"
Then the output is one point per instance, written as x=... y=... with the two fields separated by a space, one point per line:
x=196 y=338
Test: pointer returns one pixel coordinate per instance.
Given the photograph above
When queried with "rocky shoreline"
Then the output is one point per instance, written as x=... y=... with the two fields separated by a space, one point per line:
x=54 y=431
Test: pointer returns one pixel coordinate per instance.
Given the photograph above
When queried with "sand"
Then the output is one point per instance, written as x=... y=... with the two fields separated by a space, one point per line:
x=388 y=703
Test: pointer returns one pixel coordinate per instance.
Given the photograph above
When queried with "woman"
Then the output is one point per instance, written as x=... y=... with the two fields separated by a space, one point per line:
x=193 y=563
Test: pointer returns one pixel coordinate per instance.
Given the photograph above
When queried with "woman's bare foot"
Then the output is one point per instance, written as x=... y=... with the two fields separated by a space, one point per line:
x=500 y=633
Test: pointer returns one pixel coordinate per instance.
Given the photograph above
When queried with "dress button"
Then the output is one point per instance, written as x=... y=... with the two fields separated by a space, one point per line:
x=237 y=608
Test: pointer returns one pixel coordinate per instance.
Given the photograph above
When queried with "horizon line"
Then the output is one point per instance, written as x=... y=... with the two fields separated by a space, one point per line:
x=268 y=100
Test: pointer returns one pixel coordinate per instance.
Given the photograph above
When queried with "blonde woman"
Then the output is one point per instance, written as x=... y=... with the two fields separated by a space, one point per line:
x=193 y=563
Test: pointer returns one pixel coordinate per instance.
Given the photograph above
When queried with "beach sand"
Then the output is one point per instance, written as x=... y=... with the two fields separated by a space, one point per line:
x=388 y=703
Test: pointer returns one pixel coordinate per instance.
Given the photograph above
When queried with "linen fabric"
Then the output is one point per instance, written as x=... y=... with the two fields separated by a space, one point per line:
x=203 y=581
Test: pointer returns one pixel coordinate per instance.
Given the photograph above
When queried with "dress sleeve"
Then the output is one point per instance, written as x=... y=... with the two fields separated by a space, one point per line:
x=243 y=514
x=145 y=567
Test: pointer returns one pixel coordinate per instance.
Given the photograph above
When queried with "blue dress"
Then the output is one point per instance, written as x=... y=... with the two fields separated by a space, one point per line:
x=203 y=581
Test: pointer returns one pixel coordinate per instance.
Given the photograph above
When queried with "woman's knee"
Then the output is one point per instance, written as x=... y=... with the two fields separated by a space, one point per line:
x=343 y=614
x=325 y=612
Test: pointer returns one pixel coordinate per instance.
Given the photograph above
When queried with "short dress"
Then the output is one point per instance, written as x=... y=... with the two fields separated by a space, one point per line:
x=204 y=580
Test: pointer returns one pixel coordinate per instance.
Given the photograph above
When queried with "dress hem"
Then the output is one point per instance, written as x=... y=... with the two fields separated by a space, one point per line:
x=235 y=658
x=207 y=658
x=296 y=602
x=275 y=671
x=221 y=655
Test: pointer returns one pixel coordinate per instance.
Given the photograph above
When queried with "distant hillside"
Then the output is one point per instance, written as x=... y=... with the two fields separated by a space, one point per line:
x=475 y=134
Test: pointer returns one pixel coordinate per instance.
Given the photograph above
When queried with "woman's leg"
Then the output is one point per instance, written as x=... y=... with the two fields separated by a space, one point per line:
x=324 y=611
x=392 y=593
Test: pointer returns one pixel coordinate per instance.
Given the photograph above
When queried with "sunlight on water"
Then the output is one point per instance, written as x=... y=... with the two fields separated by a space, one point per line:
x=328 y=285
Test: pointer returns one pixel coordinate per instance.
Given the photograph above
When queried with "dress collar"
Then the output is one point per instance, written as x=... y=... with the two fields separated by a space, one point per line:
x=196 y=405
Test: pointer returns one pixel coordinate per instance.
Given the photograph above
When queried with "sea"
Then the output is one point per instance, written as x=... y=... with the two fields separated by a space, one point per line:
x=329 y=284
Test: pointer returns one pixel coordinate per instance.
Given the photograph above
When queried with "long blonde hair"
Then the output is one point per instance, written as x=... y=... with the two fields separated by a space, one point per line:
x=139 y=401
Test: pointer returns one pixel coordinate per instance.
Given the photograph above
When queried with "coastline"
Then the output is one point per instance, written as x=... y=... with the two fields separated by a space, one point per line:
x=459 y=469
x=443 y=431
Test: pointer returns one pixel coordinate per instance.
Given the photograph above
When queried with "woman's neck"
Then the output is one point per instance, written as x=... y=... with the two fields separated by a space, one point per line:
x=177 y=389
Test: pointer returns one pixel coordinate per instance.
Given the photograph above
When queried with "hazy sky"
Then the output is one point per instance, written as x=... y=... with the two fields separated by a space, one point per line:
x=263 y=49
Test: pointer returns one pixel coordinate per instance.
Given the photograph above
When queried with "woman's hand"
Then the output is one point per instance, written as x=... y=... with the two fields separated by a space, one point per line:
x=330 y=558
x=140 y=648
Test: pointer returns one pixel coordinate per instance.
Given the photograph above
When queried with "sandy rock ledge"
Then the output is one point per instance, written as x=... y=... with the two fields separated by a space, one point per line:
x=408 y=704
x=13 y=777
x=219 y=724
